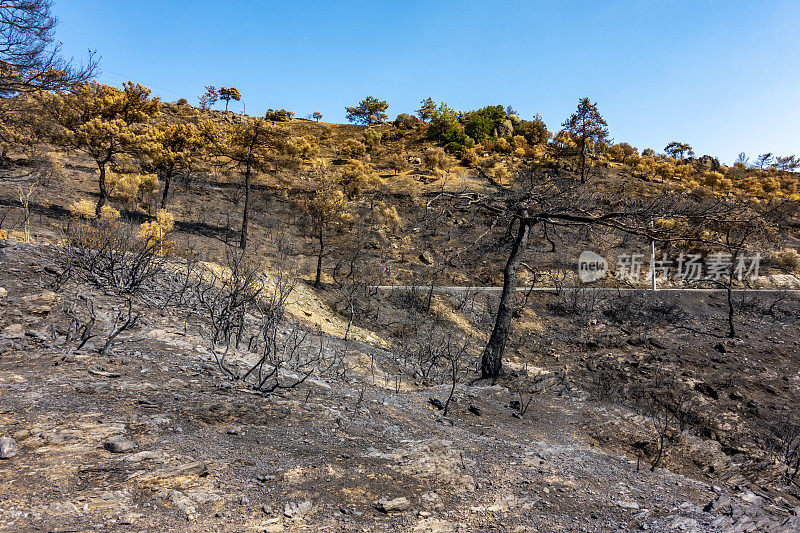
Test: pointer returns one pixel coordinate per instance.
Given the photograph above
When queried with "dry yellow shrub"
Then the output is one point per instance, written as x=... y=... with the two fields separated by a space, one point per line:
x=786 y=259
x=126 y=187
x=155 y=230
x=83 y=209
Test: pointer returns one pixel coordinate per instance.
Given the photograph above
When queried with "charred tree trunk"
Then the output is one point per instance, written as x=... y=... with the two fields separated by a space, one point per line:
x=245 y=215
x=731 y=325
x=583 y=162
x=321 y=238
x=492 y=359
x=103 y=192
x=167 y=180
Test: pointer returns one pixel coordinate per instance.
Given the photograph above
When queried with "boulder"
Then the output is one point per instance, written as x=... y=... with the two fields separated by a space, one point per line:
x=396 y=505
x=119 y=444
x=40 y=304
x=184 y=504
x=8 y=447
x=722 y=505
x=504 y=129
x=707 y=162
x=297 y=509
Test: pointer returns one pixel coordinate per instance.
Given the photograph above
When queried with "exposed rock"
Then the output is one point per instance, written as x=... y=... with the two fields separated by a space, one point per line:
x=751 y=497
x=722 y=505
x=426 y=257
x=130 y=518
x=684 y=523
x=119 y=444
x=203 y=496
x=62 y=508
x=184 y=504
x=8 y=447
x=504 y=129
x=708 y=163
x=3 y=294
x=393 y=506
x=628 y=505
x=14 y=331
x=40 y=304
x=297 y=509
x=141 y=456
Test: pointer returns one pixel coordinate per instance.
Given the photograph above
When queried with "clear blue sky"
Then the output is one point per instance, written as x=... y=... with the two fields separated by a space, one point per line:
x=723 y=76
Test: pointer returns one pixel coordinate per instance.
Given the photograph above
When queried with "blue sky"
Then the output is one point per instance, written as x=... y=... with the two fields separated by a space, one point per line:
x=723 y=76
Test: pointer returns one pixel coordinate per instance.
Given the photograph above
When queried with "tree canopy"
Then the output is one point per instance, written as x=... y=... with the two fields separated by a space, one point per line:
x=586 y=127
x=101 y=121
x=368 y=111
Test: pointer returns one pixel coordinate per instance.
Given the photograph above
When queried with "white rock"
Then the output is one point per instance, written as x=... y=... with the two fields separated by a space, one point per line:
x=119 y=444
x=392 y=506
x=628 y=505
x=297 y=509
x=8 y=447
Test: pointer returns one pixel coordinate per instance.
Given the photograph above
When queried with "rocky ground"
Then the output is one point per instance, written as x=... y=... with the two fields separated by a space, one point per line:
x=151 y=437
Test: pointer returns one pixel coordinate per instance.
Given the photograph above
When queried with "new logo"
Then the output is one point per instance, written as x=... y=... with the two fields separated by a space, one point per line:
x=591 y=267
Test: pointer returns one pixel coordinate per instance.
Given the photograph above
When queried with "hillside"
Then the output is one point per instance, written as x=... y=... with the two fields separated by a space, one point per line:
x=150 y=436
x=563 y=439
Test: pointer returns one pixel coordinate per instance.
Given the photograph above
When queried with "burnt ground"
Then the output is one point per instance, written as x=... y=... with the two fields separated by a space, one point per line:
x=212 y=455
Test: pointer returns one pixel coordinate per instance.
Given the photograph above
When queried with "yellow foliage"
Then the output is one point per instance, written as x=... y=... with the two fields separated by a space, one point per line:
x=83 y=209
x=126 y=187
x=358 y=176
x=502 y=145
x=469 y=158
x=155 y=230
x=372 y=137
x=388 y=213
x=537 y=152
x=435 y=160
x=108 y=214
x=500 y=174
x=353 y=149
x=770 y=185
x=304 y=147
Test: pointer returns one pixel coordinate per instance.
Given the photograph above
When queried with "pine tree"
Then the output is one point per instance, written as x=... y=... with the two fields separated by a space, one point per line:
x=171 y=148
x=228 y=94
x=102 y=122
x=427 y=108
x=327 y=212
x=586 y=127
x=368 y=111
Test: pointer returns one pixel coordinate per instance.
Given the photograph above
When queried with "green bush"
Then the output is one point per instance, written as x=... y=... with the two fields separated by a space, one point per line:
x=481 y=123
x=444 y=126
x=453 y=148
